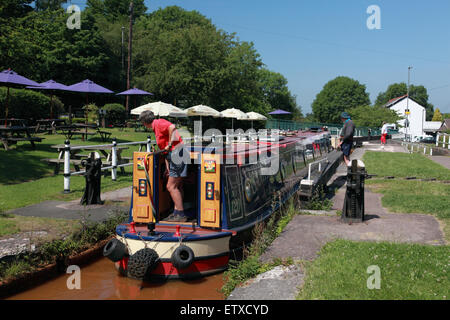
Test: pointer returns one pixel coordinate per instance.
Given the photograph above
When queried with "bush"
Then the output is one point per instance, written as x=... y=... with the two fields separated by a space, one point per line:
x=92 y=112
x=115 y=113
x=28 y=104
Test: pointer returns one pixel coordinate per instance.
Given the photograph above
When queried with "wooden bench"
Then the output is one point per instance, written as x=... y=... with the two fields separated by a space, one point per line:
x=58 y=162
x=7 y=141
x=104 y=134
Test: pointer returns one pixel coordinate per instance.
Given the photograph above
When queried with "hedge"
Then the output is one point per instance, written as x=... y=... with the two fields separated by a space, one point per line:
x=28 y=104
x=115 y=113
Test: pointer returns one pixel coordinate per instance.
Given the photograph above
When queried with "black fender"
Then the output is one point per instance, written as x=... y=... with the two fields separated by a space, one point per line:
x=115 y=250
x=182 y=257
x=142 y=263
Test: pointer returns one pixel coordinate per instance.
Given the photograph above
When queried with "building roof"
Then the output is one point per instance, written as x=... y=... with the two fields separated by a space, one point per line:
x=394 y=101
x=432 y=125
x=445 y=125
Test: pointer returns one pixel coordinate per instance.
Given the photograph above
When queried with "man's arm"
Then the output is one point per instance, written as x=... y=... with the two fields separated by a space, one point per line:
x=172 y=136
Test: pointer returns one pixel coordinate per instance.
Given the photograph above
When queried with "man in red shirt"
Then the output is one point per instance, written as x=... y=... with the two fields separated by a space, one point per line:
x=168 y=138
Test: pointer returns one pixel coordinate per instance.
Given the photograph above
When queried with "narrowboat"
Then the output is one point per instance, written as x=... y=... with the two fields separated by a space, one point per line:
x=233 y=183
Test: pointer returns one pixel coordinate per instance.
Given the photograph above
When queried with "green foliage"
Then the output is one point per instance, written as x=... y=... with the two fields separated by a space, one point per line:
x=92 y=112
x=408 y=271
x=28 y=104
x=318 y=201
x=115 y=113
x=113 y=9
x=338 y=95
x=263 y=236
x=417 y=93
x=276 y=93
x=368 y=116
x=437 y=116
x=58 y=250
x=178 y=55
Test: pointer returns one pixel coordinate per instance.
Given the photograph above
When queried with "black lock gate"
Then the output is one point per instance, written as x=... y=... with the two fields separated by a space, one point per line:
x=353 y=210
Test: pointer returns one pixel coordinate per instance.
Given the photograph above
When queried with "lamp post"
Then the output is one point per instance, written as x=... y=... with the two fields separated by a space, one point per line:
x=407 y=105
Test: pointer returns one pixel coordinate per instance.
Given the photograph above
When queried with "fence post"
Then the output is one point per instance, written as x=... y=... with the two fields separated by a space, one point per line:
x=149 y=144
x=67 y=166
x=114 y=160
x=437 y=139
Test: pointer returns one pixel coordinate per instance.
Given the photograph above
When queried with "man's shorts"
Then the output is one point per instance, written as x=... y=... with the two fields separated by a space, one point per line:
x=383 y=138
x=178 y=162
x=346 y=148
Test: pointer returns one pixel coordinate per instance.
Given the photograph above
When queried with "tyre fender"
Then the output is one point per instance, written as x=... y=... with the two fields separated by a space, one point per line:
x=115 y=250
x=182 y=257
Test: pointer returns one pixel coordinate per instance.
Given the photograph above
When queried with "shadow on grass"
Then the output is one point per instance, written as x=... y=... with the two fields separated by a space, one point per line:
x=19 y=165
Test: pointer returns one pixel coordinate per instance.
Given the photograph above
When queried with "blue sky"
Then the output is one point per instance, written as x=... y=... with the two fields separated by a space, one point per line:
x=311 y=42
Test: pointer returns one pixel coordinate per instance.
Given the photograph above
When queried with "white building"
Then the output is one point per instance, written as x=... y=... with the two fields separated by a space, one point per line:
x=416 y=117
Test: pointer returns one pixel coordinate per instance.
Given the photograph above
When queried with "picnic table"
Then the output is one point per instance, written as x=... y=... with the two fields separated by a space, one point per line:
x=12 y=122
x=76 y=157
x=49 y=125
x=10 y=135
x=77 y=129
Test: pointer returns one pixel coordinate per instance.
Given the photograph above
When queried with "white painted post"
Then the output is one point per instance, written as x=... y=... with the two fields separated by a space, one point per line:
x=320 y=166
x=149 y=144
x=67 y=166
x=437 y=139
x=431 y=151
x=424 y=150
x=114 y=160
x=309 y=172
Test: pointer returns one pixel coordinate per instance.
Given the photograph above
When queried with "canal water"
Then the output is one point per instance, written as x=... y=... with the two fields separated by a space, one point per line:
x=100 y=281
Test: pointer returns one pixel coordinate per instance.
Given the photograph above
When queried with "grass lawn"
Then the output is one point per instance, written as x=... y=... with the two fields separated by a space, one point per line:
x=403 y=165
x=407 y=271
x=410 y=196
x=10 y=224
x=26 y=180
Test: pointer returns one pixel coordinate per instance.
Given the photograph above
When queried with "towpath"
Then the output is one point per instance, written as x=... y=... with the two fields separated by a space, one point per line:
x=304 y=236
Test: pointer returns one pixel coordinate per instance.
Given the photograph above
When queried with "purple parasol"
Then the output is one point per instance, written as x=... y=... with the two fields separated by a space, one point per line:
x=11 y=77
x=279 y=111
x=50 y=85
x=134 y=92
x=88 y=86
x=8 y=78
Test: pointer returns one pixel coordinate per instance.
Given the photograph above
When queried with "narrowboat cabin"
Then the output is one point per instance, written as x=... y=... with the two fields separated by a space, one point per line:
x=233 y=183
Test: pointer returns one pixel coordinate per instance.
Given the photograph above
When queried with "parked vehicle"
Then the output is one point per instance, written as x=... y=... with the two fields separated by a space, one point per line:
x=428 y=140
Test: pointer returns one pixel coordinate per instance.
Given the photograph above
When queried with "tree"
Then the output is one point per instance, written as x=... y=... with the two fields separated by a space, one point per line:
x=417 y=93
x=437 y=116
x=368 y=116
x=338 y=95
x=116 y=9
x=48 y=4
x=181 y=57
x=276 y=94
